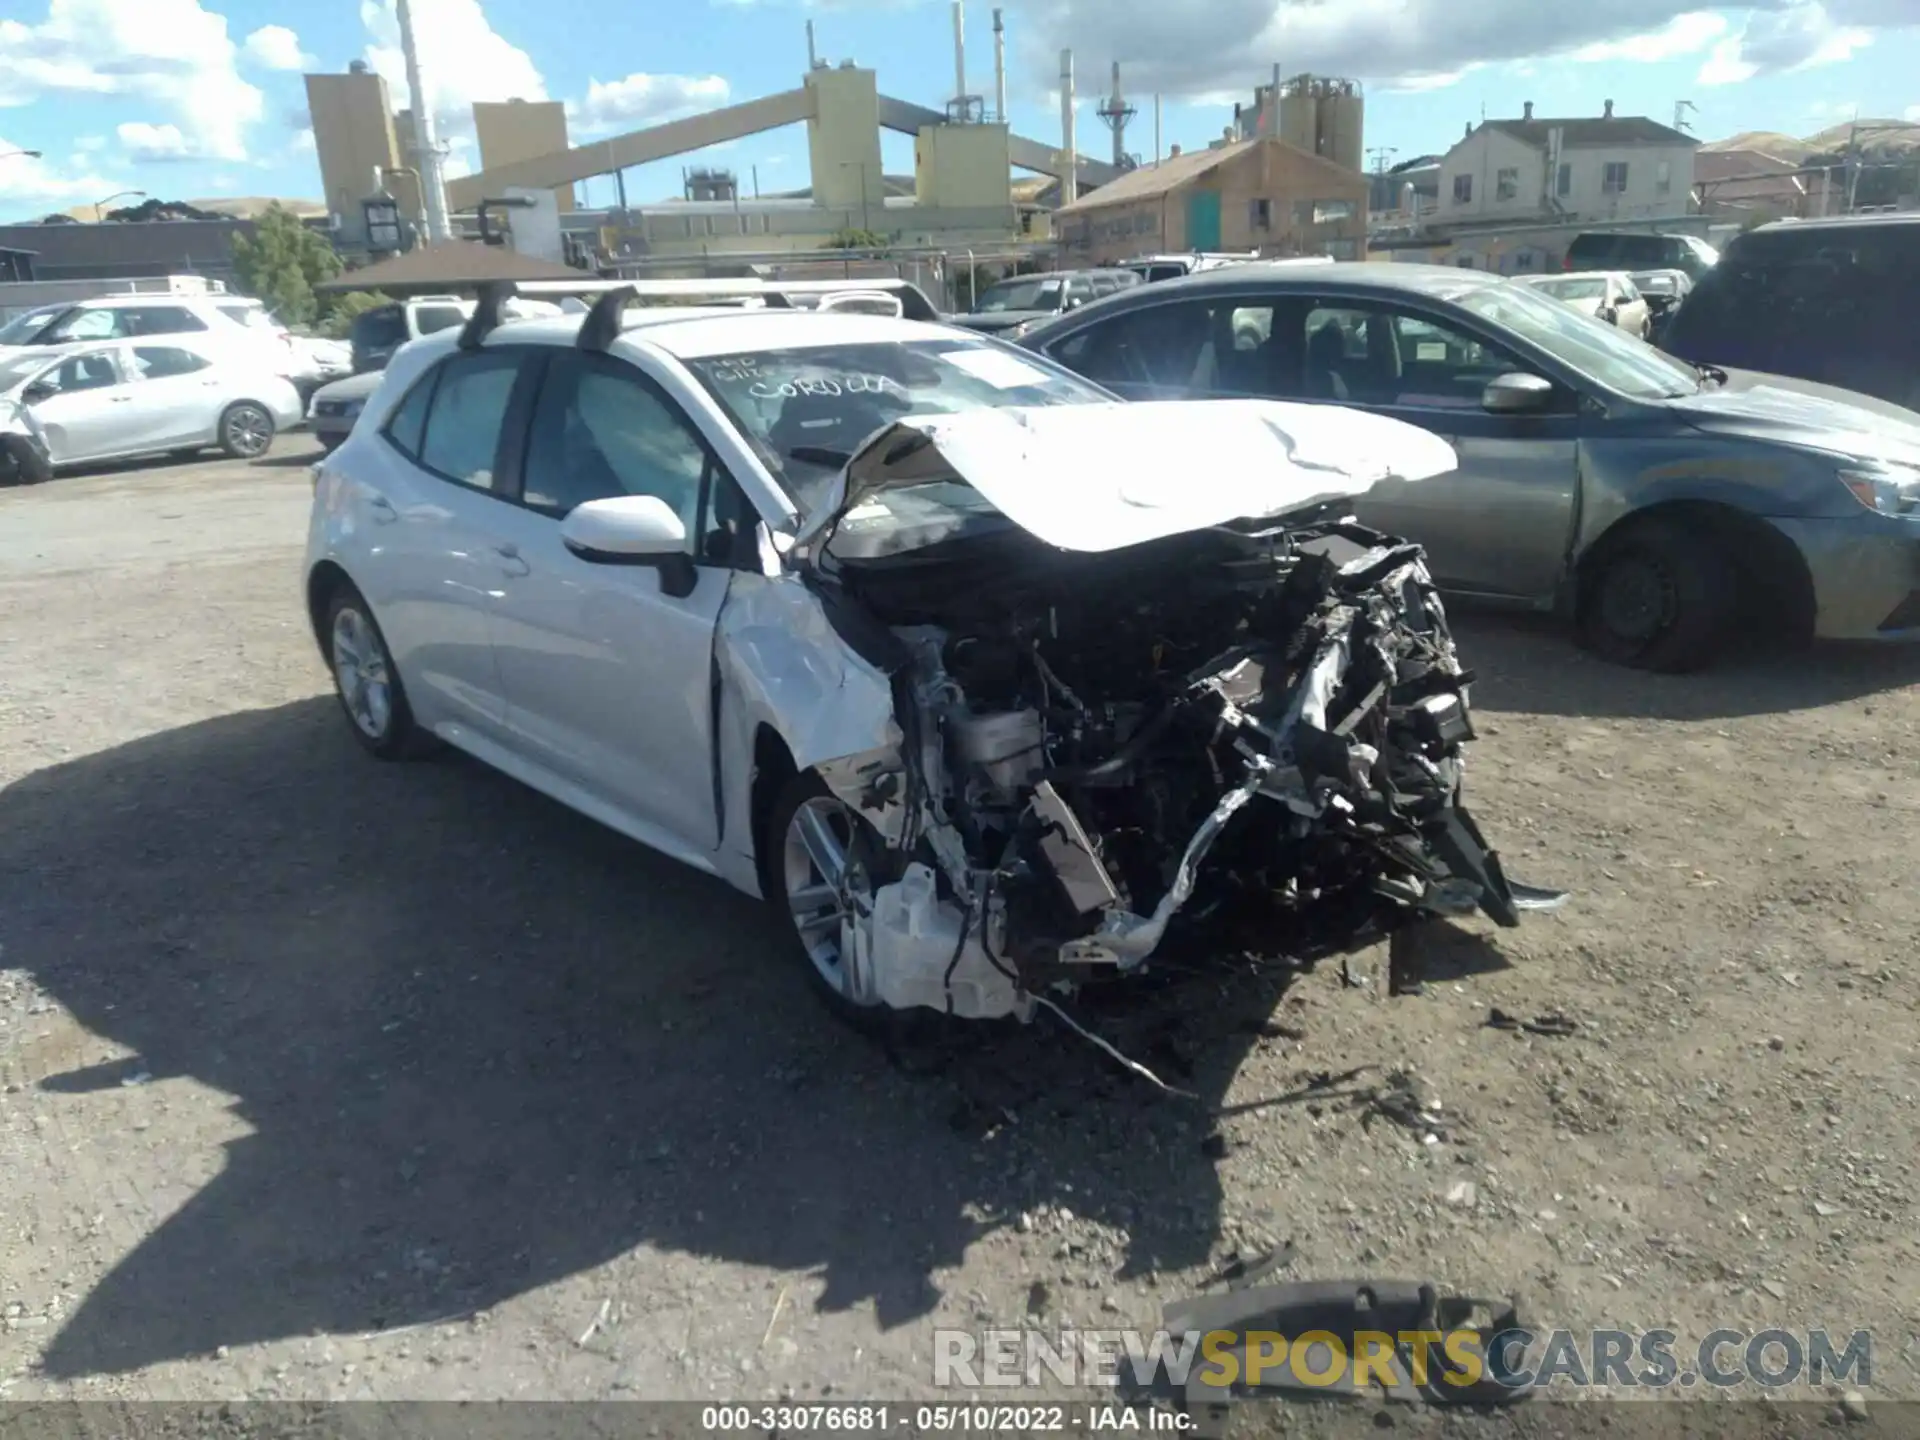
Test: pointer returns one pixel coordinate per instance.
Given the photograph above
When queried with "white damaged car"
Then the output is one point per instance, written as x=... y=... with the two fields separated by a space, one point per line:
x=992 y=683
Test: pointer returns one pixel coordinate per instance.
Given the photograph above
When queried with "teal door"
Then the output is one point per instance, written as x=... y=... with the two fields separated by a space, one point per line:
x=1203 y=220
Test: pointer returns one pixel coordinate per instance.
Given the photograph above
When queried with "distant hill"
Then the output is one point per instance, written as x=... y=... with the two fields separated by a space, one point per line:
x=240 y=207
x=1898 y=135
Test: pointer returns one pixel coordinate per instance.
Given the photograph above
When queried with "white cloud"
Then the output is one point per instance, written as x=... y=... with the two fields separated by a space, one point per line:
x=145 y=143
x=462 y=58
x=302 y=142
x=1799 y=36
x=1913 y=114
x=641 y=100
x=88 y=144
x=30 y=187
x=1187 y=48
x=1686 y=34
x=171 y=52
x=275 y=47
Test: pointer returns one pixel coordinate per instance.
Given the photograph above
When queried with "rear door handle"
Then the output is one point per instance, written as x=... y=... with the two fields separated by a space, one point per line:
x=383 y=511
x=510 y=560
x=119 y=399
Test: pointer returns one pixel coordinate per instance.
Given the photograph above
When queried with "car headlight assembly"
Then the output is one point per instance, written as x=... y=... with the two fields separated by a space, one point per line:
x=1889 y=489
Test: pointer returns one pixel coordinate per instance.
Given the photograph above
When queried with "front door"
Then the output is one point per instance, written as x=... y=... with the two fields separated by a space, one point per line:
x=89 y=414
x=608 y=672
x=176 y=395
x=1500 y=524
x=1203 y=220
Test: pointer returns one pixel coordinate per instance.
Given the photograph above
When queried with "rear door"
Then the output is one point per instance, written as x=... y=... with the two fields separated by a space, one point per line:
x=175 y=394
x=435 y=551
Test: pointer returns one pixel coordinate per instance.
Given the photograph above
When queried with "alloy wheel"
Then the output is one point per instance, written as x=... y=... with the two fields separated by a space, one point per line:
x=249 y=430
x=360 y=669
x=826 y=883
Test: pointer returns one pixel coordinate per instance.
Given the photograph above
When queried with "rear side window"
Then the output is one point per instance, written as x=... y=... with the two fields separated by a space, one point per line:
x=160 y=320
x=465 y=418
x=409 y=420
x=1590 y=251
x=158 y=362
x=429 y=318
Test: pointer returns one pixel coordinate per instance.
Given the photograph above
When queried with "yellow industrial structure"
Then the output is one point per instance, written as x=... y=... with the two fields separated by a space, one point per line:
x=511 y=130
x=354 y=135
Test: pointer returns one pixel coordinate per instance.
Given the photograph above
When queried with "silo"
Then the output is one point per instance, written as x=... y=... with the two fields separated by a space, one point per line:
x=1299 y=113
x=1342 y=123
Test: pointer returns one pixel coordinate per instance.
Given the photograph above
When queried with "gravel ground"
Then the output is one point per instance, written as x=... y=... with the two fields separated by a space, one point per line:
x=330 y=1079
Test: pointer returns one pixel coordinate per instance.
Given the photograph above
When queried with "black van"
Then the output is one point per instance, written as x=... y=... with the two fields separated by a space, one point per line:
x=1834 y=301
x=1619 y=250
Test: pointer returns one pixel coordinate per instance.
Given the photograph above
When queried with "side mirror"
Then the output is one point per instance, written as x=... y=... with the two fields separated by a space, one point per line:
x=633 y=530
x=1516 y=394
x=37 y=392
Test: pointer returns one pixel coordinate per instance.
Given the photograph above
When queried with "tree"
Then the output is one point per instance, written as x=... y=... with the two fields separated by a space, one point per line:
x=281 y=262
x=341 y=310
x=855 y=239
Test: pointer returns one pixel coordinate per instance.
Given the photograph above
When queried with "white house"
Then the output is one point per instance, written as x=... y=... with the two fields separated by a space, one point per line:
x=1588 y=168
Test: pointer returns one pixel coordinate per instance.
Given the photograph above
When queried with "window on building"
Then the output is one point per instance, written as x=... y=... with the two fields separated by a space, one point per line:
x=1260 y=214
x=1663 y=178
x=1463 y=189
x=1331 y=212
x=1563 y=183
x=1506 y=183
x=1343 y=249
x=1614 y=181
x=1302 y=213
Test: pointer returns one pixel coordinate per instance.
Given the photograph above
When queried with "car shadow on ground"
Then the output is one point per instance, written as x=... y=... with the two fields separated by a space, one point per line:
x=1529 y=664
x=482 y=1044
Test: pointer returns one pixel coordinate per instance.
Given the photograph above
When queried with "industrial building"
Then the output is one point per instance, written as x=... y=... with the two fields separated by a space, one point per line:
x=1259 y=194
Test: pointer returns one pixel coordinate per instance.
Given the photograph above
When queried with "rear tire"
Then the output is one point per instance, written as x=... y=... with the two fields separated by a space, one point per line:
x=246 y=430
x=1657 y=598
x=367 y=682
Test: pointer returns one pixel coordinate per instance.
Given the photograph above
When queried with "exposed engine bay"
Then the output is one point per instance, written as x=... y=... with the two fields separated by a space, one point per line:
x=1242 y=740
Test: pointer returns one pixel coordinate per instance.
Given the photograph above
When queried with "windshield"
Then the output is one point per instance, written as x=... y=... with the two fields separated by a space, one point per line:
x=22 y=329
x=808 y=411
x=1588 y=289
x=1039 y=292
x=1600 y=352
x=256 y=316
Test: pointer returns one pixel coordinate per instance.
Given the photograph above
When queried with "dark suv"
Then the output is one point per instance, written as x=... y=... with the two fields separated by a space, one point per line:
x=1619 y=250
x=1835 y=301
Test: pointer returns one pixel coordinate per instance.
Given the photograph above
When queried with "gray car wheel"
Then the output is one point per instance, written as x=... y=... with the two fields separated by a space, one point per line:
x=367 y=681
x=246 y=430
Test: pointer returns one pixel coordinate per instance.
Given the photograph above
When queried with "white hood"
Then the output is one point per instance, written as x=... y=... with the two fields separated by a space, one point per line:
x=1105 y=476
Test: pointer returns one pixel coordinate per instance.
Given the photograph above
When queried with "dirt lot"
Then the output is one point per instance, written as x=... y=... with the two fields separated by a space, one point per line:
x=324 y=1078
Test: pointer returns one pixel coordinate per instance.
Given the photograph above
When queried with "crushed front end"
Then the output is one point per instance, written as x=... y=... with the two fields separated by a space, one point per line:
x=1246 y=739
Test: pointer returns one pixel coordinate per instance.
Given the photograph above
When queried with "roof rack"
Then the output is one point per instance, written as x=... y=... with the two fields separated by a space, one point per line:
x=494 y=294
x=914 y=304
x=602 y=325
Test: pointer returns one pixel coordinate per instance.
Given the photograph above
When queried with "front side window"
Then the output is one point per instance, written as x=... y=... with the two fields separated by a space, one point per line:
x=1376 y=355
x=599 y=431
x=468 y=410
x=158 y=362
x=84 y=372
x=807 y=411
x=1599 y=352
x=102 y=323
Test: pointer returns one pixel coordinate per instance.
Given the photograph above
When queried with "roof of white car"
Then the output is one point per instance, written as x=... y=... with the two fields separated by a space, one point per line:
x=1560 y=275
x=165 y=298
x=690 y=333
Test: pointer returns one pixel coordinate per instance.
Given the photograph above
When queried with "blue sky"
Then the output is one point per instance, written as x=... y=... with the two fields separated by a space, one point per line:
x=192 y=98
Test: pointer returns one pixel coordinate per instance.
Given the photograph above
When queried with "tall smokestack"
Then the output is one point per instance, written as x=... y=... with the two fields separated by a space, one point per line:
x=999 y=68
x=960 y=54
x=1070 y=182
x=1156 y=129
x=813 y=56
x=1118 y=103
x=1272 y=126
x=426 y=147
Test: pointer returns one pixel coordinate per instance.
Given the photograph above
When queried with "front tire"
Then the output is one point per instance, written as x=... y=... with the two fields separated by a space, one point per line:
x=367 y=682
x=1658 y=598
x=819 y=866
x=246 y=430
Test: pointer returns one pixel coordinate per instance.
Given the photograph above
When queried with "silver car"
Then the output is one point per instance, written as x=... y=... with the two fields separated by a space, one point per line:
x=1607 y=295
x=138 y=397
x=1663 y=505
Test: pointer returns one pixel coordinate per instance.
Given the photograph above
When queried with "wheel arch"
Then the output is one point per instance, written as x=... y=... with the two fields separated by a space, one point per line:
x=324 y=581
x=1773 y=574
x=773 y=770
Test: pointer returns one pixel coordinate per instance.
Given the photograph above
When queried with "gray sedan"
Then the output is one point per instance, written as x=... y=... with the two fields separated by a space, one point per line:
x=1661 y=504
x=334 y=408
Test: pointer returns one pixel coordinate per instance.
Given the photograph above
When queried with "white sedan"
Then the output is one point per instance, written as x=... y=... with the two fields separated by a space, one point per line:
x=110 y=401
x=961 y=661
x=1607 y=295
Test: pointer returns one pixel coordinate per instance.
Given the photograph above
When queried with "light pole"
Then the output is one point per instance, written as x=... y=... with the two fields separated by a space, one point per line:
x=30 y=154
x=117 y=195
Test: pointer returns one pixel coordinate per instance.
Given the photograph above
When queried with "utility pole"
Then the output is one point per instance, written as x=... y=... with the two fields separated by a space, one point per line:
x=426 y=147
x=1680 y=109
x=1381 y=155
